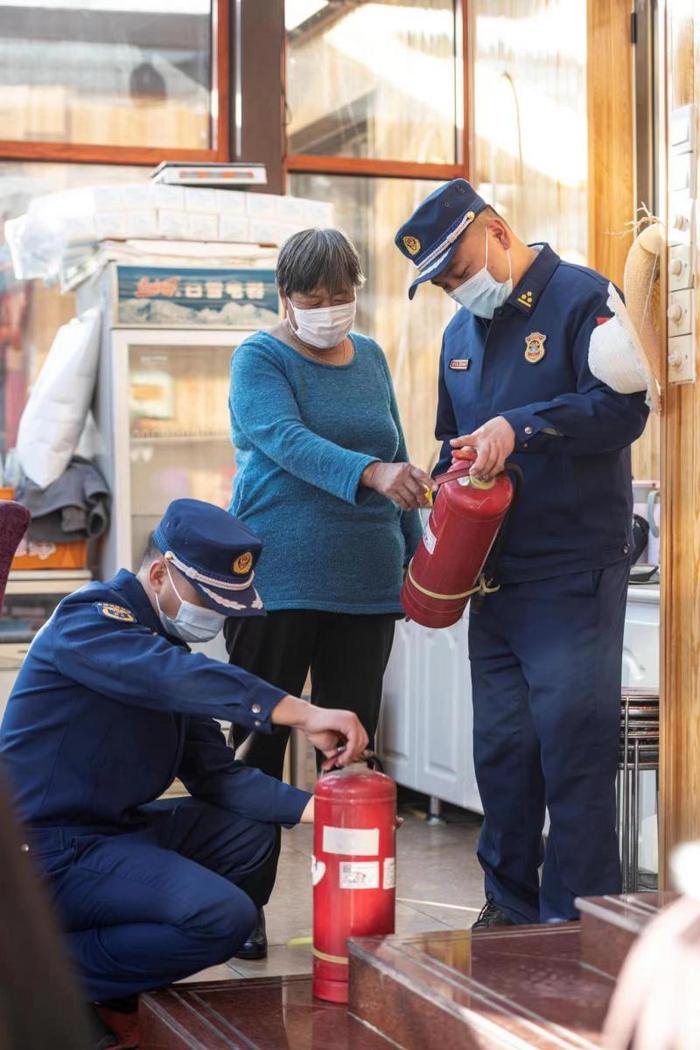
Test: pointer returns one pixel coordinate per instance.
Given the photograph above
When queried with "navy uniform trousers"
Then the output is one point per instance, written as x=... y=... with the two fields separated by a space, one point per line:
x=546 y=668
x=145 y=908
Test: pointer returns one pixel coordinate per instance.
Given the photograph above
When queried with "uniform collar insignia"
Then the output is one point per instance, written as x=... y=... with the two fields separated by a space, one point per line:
x=127 y=590
x=526 y=295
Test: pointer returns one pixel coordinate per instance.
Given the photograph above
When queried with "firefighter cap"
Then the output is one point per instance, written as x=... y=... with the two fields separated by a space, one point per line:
x=431 y=236
x=216 y=552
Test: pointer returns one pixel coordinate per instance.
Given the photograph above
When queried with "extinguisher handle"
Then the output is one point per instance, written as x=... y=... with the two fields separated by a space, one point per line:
x=453 y=475
x=464 y=472
x=373 y=761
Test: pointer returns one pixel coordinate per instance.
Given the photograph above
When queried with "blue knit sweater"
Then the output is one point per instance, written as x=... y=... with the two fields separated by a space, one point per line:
x=303 y=432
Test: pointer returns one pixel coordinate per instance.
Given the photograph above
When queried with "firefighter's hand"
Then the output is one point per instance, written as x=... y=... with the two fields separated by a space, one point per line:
x=402 y=483
x=338 y=734
x=493 y=443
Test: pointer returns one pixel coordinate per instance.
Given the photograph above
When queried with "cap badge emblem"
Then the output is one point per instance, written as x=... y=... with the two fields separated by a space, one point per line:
x=243 y=564
x=411 y=244
x=534 y=347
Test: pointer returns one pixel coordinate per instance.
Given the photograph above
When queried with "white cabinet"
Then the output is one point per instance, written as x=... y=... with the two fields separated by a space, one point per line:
x=400 y=705
x=425 y=730
x=640 y=656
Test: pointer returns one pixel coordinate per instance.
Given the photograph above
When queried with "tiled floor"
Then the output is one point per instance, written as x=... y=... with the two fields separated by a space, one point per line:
x=439 y=885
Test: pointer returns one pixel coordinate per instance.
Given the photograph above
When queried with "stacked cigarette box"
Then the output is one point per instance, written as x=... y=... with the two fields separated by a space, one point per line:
x=178 y=213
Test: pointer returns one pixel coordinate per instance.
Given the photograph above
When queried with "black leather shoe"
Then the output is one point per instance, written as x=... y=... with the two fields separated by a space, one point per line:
x=490 y=917
x=102 y=1035
x=256 y=945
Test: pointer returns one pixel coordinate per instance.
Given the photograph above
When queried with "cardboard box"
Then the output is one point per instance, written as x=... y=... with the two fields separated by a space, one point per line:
x=173 y=224
x=200 y=200
x=268 y=231
x=262 y=205
x=50 y=555
x=141 y=223
x=230 y=202
x=234 y=228
x=202 y=226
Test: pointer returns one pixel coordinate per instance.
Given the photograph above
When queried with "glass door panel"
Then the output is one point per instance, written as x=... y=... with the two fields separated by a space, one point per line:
x=384 y=78
x=180 y=444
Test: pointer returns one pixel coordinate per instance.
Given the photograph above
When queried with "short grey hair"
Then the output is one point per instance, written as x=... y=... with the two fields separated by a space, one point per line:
x=316 y=258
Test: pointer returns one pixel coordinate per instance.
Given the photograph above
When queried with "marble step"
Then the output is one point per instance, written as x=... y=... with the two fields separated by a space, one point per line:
x=273 y=1013
x=516 y=988
x=611 y=925
x=544 y=987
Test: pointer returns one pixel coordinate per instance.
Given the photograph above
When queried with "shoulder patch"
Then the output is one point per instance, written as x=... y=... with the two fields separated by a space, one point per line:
x=116 y=612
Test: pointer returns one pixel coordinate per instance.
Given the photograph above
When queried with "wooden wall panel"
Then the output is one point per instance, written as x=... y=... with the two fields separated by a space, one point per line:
x=610 y=136
x=611 y=179
x=262 y=52
x=680 y=577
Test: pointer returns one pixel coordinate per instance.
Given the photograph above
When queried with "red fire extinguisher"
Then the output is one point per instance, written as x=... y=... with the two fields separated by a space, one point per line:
x=354 y=871
x=462 y=528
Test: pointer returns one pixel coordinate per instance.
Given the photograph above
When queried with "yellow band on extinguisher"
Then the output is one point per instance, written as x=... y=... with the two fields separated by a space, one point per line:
x=482 y=587
x=329 y=958
x=481 y=483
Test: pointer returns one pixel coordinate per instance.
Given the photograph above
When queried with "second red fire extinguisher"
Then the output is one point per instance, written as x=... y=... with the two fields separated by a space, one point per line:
x=461 y=530
x=354 y=871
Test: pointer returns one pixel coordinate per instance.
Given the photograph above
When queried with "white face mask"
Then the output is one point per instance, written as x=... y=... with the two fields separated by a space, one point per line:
x=324 y=327
x=192 y=623
x=482 y=293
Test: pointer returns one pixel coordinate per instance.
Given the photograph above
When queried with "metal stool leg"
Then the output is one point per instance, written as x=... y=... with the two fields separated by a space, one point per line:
x=625 y=823
x=435 y=811
x=634 y=823
x=639 y=743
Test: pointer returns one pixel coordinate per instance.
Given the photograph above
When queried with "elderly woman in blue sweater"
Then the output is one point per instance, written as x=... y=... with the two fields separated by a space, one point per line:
x=323 y=477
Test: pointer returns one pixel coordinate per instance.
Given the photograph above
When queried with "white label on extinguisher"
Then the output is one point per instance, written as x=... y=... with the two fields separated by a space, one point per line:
x=429 y=538
x=359 y=874
x=351 y=842
x=389 y=873
x=318 y=870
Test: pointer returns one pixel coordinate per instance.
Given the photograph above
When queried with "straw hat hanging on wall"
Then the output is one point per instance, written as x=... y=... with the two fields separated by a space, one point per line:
x=626 y=352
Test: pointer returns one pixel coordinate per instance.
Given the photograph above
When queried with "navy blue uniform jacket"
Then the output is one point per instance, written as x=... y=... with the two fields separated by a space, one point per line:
x=572 y=432
x=107 y=710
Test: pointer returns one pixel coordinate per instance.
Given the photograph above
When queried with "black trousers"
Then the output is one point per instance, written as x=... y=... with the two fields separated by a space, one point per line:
x=346 y=655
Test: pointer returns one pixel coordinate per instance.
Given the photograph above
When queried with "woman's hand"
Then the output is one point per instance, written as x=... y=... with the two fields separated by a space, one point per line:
x=307 y=816
x=402 y=483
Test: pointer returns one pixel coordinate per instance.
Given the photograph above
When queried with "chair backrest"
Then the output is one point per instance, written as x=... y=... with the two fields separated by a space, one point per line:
x=14 y=520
